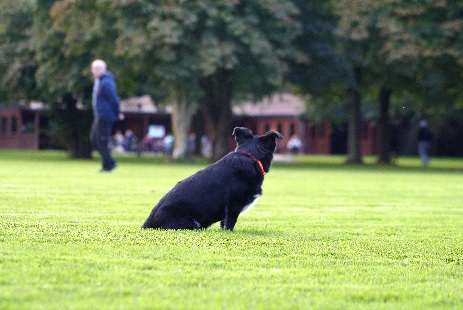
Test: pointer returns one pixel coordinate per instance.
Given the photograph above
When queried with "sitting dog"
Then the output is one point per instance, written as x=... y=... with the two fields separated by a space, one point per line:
x=221 y=191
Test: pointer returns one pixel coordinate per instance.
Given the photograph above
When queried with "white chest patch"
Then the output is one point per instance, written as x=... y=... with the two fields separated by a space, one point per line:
x=249 y=206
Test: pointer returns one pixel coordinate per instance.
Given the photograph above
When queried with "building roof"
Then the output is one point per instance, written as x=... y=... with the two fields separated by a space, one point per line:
x=144 y=104
x=276 y=105
x=32 y=106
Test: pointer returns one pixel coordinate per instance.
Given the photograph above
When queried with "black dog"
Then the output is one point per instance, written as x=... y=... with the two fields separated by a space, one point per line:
x=221 y=191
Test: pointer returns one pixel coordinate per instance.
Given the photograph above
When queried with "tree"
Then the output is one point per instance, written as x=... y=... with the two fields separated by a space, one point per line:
x=406 y=46
x=353 y=48
x=420 y=63
x=62 y=82
x=69 y=35
x=208 y=52
x=250 y=45
x=35 y=66
x=363 y=32
x=160 y=40
x=32 y=68
x=17 y=61
x=216 y=51
x=154 y=40
x=430 y=36
x=324 y=67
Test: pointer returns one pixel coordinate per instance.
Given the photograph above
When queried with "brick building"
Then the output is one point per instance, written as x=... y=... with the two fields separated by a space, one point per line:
x=368 y=137
x=285 y=113
x=23 y=127
x=19 y=127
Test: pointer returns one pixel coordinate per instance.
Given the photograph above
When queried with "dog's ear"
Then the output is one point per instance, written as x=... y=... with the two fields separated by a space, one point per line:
x=241 y=134
x=273 y=134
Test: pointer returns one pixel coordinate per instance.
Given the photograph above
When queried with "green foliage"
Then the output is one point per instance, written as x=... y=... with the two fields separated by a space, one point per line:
x=219 y=52
x=323 y=67
x=212 y=51
x=181 y=47
x=61 y=69
x=323 y=235
x=185 y=41
x=407 y=46
x=431 y=35
x=17 y=65
x=72 y=127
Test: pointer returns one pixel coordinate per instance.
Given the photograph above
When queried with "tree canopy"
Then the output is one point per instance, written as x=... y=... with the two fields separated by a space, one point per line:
x=204 y=53
x=208 y=54
x=17 y=65
x=403 y=47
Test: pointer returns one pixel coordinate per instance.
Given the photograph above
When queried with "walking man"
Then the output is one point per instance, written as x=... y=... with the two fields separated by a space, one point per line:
x=106 y=110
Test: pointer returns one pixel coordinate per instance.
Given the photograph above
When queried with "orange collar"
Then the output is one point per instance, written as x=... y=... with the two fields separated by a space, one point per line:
x=259 y=163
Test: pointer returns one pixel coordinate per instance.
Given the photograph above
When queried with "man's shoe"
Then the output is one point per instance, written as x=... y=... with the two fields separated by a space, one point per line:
x=109 y=169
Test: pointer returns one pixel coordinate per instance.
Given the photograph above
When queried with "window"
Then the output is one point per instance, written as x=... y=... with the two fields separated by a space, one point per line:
x=322 y=132
x=364 y=131
x=312 y=132
x=254 y=129
x=280 y=128
x=267 y=127
x=292 y=129
x=14 y=125
x=4 y=125
x=28 y=121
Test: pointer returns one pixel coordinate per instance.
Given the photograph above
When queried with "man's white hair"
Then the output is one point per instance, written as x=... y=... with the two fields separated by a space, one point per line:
x=99 y=63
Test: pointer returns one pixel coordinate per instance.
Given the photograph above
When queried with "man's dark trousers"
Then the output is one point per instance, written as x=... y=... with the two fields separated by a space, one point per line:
x=101 y=138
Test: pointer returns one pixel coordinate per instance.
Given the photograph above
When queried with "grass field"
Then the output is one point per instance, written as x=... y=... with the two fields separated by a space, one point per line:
x=323 y=236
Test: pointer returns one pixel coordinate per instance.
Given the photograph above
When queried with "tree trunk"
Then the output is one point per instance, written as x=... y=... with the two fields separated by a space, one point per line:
x=83 y=146
x=218 y=112
x=200 y=130
x=384 y=128
x=73 y=127
x=182 y=114
x=354 y=156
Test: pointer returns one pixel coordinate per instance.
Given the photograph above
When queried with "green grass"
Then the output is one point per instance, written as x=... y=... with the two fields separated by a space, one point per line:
x=323 y=236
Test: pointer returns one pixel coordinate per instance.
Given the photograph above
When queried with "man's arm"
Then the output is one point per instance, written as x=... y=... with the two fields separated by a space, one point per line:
x=110 y=92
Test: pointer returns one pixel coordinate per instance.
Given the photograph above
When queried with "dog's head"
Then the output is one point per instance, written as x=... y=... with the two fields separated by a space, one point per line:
x=260 y=147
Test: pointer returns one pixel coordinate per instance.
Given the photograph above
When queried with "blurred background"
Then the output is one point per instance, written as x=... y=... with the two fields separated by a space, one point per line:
x=334 y=77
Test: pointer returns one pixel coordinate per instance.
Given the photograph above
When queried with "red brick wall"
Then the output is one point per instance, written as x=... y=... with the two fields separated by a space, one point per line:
x=13 y=134
x=319 y=139
x=287 y=126
x=368 y=138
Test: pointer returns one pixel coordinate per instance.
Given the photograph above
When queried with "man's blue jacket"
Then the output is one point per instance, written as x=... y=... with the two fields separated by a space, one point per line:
x=108 y=105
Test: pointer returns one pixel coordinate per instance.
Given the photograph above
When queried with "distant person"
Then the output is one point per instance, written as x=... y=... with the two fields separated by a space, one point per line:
x=106 y=110
x=424 y=142
x=206 y=147
x=118 y=142
x=192 y=143
x=294 y=144
x=130 y=141
x=168 y=144
x=149 y=143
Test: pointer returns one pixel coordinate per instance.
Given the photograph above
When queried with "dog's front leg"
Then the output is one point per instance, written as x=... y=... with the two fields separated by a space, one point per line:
x=230 y=219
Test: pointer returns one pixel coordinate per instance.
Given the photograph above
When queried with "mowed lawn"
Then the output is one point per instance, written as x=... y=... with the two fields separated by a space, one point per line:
x=323 y=236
